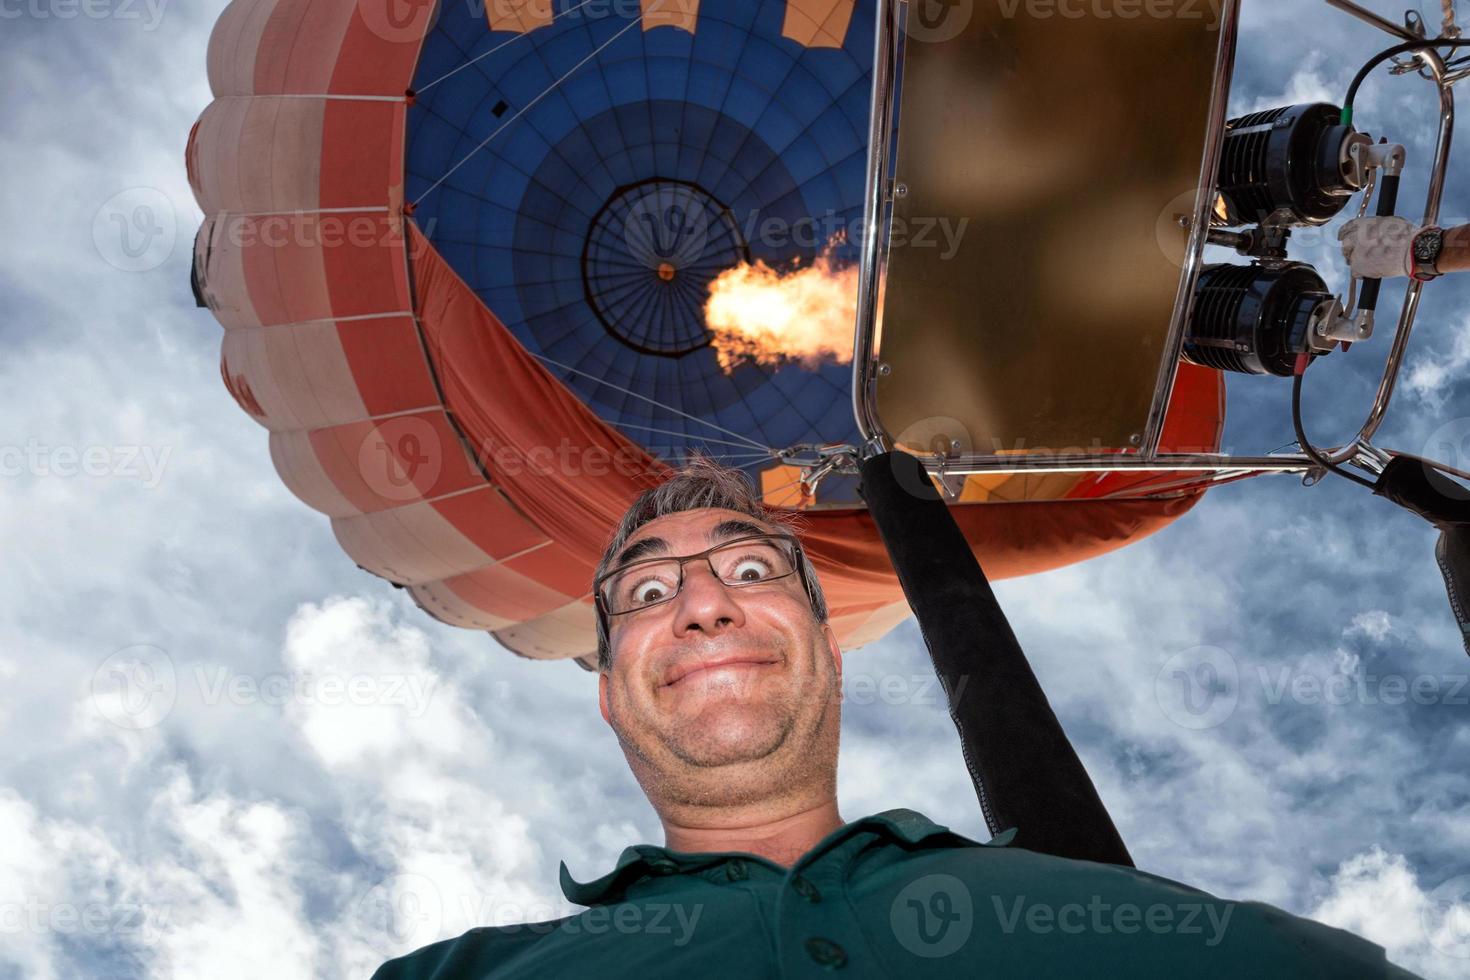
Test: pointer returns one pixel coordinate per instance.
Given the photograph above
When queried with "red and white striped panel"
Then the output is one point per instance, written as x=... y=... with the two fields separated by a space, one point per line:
x=298 y=166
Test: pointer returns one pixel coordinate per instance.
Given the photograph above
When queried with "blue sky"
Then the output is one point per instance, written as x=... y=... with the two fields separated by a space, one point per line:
x=257 y=820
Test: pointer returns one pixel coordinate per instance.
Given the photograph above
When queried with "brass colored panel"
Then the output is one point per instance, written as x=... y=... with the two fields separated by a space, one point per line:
x=518 y=15
x=1035 y=257
x=817 y=23
x=670 y=13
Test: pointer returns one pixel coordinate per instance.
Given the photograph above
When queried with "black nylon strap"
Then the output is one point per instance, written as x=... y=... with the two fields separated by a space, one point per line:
x=1025 y=771
x=1415 y=485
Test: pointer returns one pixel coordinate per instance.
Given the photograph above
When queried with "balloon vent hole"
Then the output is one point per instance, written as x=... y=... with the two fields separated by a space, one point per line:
x=648 y=259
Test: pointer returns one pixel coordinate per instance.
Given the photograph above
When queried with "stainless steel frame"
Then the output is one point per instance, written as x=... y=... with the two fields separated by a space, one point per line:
x=1361 y=441
x=875 y=242
x=1212 y=467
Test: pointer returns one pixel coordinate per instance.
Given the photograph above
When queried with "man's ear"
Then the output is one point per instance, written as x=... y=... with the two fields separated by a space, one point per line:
x=602 y=696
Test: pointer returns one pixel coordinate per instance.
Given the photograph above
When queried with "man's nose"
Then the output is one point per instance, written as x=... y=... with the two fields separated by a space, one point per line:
x=705 y=603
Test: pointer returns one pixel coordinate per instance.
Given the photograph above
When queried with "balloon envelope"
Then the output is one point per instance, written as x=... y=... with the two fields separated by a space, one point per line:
x=461 y=255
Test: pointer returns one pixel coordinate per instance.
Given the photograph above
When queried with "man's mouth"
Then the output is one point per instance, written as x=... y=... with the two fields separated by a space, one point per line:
x=693 y=665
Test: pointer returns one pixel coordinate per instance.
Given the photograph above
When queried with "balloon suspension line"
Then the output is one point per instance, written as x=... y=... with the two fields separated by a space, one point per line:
x=764 y=454
x=503 y=44
x=745 y=441
x=528 y=106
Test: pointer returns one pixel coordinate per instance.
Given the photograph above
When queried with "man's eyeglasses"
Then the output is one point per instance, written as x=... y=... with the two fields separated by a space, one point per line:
x=738 y=563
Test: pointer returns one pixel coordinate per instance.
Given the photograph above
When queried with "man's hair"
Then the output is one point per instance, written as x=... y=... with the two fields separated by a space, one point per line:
x=698 y=484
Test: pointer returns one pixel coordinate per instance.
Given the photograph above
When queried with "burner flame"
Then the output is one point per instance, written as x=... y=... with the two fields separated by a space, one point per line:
x=763 y=315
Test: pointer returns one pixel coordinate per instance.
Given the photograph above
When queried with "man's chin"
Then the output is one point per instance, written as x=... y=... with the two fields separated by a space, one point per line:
x=725 y=732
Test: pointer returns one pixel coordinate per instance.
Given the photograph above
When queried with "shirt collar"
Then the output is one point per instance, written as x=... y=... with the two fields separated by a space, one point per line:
x=648 y=860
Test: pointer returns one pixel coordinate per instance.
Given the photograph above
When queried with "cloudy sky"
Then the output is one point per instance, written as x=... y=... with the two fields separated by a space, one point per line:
x=259 y=818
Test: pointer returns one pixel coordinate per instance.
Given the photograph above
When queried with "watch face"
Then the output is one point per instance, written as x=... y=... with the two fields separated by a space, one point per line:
x=1427 y=245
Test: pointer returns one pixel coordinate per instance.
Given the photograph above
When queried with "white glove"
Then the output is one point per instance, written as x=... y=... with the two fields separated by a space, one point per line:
x=1378 y=248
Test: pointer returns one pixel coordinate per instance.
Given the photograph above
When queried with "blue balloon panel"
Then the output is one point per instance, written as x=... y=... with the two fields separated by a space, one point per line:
x=600 y=176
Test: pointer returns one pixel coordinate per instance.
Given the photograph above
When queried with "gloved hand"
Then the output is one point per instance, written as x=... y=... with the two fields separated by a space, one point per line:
x=1378 y=248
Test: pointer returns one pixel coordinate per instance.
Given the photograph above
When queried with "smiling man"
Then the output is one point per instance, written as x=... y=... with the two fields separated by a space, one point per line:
x=722 y=682
x=723 y=690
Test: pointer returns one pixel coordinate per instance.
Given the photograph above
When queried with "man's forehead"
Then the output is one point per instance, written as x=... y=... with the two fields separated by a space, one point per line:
x=698 y=526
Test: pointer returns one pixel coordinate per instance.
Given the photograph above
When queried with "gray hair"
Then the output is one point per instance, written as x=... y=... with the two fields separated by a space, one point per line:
x=698 y=484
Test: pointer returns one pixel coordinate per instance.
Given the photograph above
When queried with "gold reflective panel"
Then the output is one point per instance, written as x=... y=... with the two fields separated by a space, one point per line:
x=1036 y=254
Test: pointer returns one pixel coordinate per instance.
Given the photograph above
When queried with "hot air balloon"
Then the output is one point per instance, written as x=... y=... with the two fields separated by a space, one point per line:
x=462 y=256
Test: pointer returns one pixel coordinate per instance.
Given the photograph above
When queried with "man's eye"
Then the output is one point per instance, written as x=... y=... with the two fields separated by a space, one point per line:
x=649 y=590
x=751 y=570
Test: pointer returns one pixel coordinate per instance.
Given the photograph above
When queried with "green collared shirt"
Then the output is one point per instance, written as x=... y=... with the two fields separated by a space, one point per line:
x=894 y=895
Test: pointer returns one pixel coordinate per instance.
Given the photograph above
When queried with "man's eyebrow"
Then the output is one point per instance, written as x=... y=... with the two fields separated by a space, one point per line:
x=735 y=529
x=645 y=547
x=642 y=548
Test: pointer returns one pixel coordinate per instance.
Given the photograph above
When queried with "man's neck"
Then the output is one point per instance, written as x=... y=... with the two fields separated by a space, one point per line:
x=782 y=837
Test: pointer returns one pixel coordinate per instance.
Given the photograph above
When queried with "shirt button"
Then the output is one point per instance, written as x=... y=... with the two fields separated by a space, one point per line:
x=806 y=889
x=826 y=952
x=663 y=867
x=736 y=870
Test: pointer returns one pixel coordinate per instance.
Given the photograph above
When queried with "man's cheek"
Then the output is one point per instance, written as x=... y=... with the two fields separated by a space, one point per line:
x=631 y=665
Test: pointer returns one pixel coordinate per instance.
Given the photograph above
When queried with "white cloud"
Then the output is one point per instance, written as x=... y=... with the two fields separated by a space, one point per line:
x=1307 y=84
x=1431 y=375
x=365 y=693
x=1377 y=895
x=212 y=883
x=1375 y=624
x=209 y=890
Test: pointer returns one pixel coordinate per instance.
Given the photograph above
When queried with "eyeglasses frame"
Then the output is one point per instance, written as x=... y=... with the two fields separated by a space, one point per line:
x=798 y=568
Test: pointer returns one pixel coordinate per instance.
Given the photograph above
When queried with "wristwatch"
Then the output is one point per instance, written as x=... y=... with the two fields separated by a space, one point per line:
x=1424 y=252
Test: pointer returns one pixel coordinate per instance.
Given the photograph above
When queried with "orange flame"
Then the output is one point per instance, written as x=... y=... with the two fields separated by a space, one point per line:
x=771 y=317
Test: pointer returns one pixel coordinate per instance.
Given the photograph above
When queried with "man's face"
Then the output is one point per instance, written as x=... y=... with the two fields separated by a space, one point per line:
x=719 y=676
